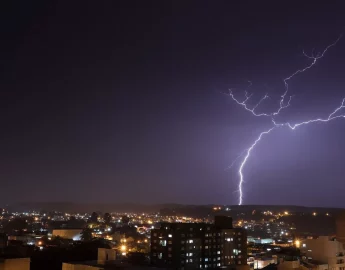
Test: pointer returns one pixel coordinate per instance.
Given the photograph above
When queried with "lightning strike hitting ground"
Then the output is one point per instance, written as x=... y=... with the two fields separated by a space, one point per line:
x=282 y=105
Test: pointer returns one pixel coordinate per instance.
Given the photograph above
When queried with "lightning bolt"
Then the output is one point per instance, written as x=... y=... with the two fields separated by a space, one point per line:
x=282 y=105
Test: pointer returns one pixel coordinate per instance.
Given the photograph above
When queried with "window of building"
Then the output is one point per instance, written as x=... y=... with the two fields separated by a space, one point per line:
x=239 y=233
x=218 y=252
x=206 y=247
x=163 y=243
x=155 y=234
x=218 y=264
x=160 y=255
x=170 y=242
x=169 y=235
x=206 y=234
x=190 y=241
x=218 y=258
x=206 y=259
x=191 y=229
x=169 y=255
x=182 y=242
x=169 y=249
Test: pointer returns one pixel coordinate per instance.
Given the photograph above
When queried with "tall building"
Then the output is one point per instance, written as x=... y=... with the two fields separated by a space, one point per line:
x=340 y=227
x=199 y=245
x=324 y=251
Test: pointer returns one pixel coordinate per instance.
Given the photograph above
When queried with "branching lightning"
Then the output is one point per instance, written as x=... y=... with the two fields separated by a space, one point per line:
x=283 y=104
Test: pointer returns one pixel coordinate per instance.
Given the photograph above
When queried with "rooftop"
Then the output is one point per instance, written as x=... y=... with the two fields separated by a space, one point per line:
x=115 y=264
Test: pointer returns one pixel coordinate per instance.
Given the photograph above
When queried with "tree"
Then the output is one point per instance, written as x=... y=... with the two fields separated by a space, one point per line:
x=86 y=234
x=125 y=220
x=16 y=224
x=94 y=217
x=107 y=218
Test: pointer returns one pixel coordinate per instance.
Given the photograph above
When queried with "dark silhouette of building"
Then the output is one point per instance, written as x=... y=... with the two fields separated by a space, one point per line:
x=340 y=227
x=199 y=245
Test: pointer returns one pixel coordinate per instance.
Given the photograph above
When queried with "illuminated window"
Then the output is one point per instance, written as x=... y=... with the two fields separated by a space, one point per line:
x=163 y=243
x=218 y=252
x=170 y=235
x=190 y=241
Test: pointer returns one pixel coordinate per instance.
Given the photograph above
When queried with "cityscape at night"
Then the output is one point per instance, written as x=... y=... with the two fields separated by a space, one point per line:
x=172 y=135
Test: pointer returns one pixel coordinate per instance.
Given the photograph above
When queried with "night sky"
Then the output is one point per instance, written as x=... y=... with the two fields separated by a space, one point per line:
x=123 y=101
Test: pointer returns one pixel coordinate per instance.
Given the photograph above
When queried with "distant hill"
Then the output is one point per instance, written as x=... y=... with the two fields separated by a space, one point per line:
x=136 y=207
x=323 y=223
